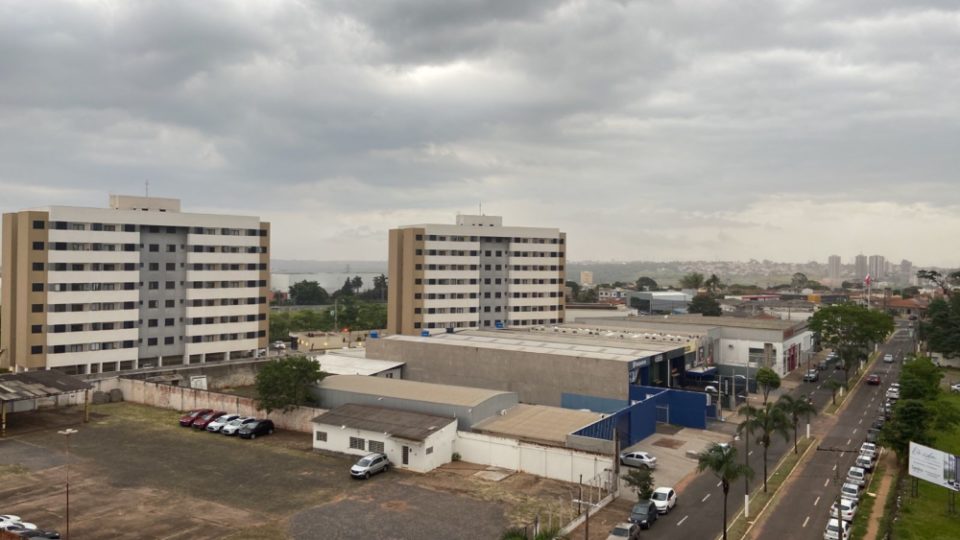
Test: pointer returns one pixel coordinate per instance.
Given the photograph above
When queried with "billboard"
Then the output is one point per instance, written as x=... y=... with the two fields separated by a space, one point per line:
x=934 y=466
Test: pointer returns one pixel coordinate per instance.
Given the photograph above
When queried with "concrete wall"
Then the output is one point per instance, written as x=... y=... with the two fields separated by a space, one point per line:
x=440 y=445
x=547 y=461
x=183 y=399
x=538 y=378
x=219 y=375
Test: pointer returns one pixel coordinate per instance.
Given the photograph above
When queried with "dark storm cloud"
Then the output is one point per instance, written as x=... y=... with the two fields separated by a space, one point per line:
x=710 y=119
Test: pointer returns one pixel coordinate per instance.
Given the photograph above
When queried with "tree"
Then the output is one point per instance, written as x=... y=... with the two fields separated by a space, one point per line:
x=693 y=280
x=645 y=283
x=799 y=281
x=834 y=385
x=285 y=384
x=587 y=296
x=794 y=409
x=767 y=380
x=722 y=462
x=745 y=428
x=942 y=328
x=920 y=379
x=946 y=282
x=766 y=422
x=850 y=329
x=911 y=421
x=308 y=293
x=641 y=481
x=356 y=283
x=704 y=304
x=574 y=289
x=713 y=284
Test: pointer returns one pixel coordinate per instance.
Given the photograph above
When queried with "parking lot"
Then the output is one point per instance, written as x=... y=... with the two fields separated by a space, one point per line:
x=135 y=474
x=673 y=447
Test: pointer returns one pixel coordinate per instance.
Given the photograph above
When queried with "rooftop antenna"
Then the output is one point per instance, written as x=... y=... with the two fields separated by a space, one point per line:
x=480 y=204
x=146 y=188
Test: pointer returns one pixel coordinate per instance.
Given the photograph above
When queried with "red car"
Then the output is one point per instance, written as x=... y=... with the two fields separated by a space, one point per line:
x=873 y=379
x=202 y=421
x=188 y=419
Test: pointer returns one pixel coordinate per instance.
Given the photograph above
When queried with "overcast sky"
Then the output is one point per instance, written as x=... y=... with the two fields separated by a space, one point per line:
x=657 y=130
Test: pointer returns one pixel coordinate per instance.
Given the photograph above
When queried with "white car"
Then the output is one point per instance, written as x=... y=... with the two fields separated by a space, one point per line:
x=955 y=387
x=638 y=459
x=848 y=509
x=850 y=491
x=217 y=424
x=888 y=358
x=869 y=450
x=836 y=530
x=625 y=531
x=234 y=425
x=664 y=499
x=16 y=526
x=864 y=462
x=858 y=476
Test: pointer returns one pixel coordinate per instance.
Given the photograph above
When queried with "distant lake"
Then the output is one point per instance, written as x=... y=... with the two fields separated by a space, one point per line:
x=330 y=281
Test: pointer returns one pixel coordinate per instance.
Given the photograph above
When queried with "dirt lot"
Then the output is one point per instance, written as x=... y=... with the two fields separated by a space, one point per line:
x=135 y=474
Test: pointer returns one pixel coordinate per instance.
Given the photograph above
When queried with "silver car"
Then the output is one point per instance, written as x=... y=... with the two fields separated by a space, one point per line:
x=217 y=425
x=234 y=425
x=370 y=465
x=638 y=459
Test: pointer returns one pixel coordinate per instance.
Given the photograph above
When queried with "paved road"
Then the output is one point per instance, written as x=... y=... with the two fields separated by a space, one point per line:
x=804 y=506
x=699 y=511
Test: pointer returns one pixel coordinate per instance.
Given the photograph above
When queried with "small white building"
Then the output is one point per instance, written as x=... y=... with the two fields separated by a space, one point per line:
x=355 y=362
x=411 y=440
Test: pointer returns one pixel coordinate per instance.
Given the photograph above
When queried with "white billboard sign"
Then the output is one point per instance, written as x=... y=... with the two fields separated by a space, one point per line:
x=934 y=466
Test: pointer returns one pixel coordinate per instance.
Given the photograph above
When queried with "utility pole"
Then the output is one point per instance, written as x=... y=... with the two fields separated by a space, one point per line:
x=67 y=433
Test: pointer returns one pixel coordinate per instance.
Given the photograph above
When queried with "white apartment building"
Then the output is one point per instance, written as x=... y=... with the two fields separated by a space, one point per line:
x=138 y=284
x=475 y=273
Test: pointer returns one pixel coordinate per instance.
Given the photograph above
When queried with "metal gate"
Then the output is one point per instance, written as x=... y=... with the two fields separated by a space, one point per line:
x=663 y=414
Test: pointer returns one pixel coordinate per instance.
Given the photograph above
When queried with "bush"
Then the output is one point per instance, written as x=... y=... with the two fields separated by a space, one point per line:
x=456 y=456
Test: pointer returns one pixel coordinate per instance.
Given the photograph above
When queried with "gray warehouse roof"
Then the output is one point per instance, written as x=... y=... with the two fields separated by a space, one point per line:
x=538 y=423
x=403 y=389
x=408 y=425
x=38 y=384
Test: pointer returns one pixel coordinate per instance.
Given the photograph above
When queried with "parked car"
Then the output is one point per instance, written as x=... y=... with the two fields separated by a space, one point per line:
x=10 y=517
x=873 y=379
x=893 y=393
x=664 y=499
x=203 y=421
x=252 y=430
x=873 y=435
x=188 y=419
x=850 y=491
x=869 y=449
x=836 y=530
x=811 y=375
x=644 y=514
x=369 y=465
x=955 y=387
x=888 y=358
x=638 y=459
x=878 y=422
x=41 y=534
x=864 y=463
x=858 y=475
x=216 y=425
x=630 y=531
x=847 y=509
x=234 y=425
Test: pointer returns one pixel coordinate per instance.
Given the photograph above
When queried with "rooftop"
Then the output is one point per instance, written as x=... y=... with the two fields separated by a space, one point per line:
x=412 y=426
x=353 y=362
x=699 y=321
x=38 y=384
x=412 y=390
x=538 y=423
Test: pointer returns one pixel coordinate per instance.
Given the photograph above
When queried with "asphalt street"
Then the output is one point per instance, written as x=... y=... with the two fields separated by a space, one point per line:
x=699 y=510
x=804 y=508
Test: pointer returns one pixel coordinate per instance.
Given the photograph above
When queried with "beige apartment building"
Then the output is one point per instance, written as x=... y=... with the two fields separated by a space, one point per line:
x=138 y=284
x=475 y=273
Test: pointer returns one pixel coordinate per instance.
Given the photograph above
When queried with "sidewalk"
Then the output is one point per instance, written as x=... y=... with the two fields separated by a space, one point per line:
x=880 y=497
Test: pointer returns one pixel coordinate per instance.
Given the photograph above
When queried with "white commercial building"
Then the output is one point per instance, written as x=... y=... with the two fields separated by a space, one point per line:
x=474 y=274
x=135 y=285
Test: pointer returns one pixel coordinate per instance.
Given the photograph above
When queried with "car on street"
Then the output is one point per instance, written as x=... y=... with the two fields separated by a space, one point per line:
x=857 y=475
x=873 y=435
x=848 y=509
x=888 y=358
x=370 y=465
x=638 y=459
x=664 y=498
x=836 y=530
x=873 y=379
x=864 y=463
x=893 y=393
x=630 y=531
x=850 y=491
x=255 y=429
x=216 y=425
x=955 y=387
x=190 y=417
x=41 y=534
x=644 y=514
x=203 y=421
x=811 y=375
x=869 y=449
x=234 y=425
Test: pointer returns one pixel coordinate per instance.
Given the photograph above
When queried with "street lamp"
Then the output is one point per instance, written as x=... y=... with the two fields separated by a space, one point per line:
x=67 y=433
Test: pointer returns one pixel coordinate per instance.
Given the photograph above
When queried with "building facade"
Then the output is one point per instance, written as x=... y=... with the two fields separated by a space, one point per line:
x=833 y=269
x=860 y=267
x=877 y=266
x=138 y=284
x=474 y=274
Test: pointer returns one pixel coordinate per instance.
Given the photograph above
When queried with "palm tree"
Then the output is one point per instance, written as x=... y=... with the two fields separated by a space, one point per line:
x=722 y=461
x=794 y=408
x=746 y=429
x=765 y=423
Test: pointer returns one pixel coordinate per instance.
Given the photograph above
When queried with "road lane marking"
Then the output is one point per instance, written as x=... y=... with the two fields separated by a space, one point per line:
x=679 y=523
x=806 y=521
x=854 y=431
x=720 y=483
x=819 y=386
x=705 y=497
x=848 y=442
x=860 y=422
x=816 y=501
x=826 y=482
x=843 y=453
x=750 y=453
x=834 y=466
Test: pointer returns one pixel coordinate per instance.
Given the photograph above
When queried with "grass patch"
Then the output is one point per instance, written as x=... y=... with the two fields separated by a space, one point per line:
x=866 y=505
x=758 y=499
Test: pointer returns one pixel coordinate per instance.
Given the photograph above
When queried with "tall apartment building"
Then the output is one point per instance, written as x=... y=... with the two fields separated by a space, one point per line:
x=474 y=274
x=833 y=269
x=138 y=284
x=860 y=267
x=877 y=266
x=586 y=278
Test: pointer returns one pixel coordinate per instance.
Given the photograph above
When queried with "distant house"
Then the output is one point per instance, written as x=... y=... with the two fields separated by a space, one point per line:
x=905 y=307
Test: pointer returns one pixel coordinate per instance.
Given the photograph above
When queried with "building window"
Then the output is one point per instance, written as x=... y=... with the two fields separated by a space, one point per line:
x=38 y=287
x=37 y=329
x=168 y=322
x=169 y=285
x=154 y=266
x=38 y=267
x=429 y=450
x=38 y=224
x=168 y=340
x=171 y=248
x=36 y=308
x=152 y=323
x=154 y=285
x=320 y=436
x=357 y=443
x=38 y=246
x=151 y=304
x=36 y=349
x=375 y=446
x=169 y=303
x=151 y=341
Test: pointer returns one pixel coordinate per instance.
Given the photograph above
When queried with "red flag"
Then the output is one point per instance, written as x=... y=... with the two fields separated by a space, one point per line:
x=867 y=280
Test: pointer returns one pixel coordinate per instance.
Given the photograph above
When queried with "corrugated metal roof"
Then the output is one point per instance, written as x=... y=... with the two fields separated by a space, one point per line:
x=38 y=384
x=353 y=364
x=408 y=425
x=413 y=390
